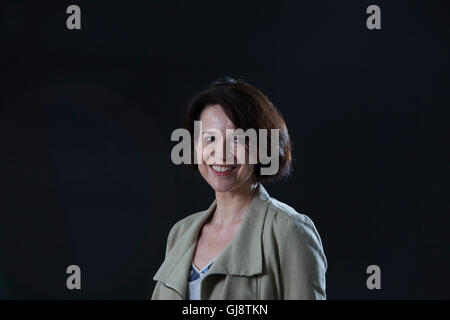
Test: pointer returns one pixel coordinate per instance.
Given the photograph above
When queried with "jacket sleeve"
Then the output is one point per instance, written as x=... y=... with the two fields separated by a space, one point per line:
x=173 y=235
x=169 y=241
x=155 y=295
x=303 y=262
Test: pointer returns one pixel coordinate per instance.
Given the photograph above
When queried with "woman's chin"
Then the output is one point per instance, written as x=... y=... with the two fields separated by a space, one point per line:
x=221 y=186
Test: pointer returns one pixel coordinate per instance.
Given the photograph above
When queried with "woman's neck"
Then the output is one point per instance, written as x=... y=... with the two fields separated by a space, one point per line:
x=231 y=206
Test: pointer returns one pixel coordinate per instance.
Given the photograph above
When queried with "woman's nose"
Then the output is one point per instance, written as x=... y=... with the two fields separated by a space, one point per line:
x=223 y=150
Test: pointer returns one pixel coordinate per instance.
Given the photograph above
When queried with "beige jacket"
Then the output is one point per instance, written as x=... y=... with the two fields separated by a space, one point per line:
x=276 y=254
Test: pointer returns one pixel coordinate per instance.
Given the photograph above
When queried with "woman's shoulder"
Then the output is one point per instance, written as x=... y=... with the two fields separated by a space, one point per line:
x=284 y=213
x=185 y=223
x=288 y=222
x=294 y=231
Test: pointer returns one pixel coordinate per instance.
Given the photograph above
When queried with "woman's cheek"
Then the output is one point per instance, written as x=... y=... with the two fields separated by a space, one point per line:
x=202 y=168
x=248 y=171
x=202 y=156
x=239 y=154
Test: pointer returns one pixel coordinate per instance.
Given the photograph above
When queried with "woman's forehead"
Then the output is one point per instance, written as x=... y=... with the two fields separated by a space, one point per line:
x=213 y=117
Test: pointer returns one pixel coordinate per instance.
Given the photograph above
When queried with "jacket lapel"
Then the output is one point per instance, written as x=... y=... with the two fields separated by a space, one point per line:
x=243 y=256
x=175 y=269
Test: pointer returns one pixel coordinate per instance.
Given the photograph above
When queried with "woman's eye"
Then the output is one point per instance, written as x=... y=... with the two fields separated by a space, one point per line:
x=237 y=139
x=210 y=139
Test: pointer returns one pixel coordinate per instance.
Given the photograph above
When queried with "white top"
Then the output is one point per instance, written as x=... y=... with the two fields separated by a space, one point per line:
x=195 y=280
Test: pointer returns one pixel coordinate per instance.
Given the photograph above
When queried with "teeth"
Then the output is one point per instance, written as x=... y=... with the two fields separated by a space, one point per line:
x=221 y=169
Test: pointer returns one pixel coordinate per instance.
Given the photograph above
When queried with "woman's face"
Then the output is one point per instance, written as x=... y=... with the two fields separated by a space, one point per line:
x=216 y=143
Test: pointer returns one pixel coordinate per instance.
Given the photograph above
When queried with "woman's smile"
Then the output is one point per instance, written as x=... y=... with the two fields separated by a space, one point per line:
x=222 y=170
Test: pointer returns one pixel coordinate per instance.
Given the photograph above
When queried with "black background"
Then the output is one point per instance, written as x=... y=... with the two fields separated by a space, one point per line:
x=86 y=117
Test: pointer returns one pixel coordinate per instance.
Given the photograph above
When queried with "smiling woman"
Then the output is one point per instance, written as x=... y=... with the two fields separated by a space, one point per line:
x=229 y=104
x=246 y=245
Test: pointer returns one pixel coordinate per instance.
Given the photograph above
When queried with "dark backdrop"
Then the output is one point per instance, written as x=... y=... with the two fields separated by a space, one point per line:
x=86 y=118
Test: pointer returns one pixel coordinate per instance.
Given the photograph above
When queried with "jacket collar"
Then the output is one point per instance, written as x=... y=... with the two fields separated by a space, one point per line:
x=243 y=256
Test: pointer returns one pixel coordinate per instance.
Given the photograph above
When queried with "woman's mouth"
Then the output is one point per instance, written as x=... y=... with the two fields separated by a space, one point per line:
x=222 y=170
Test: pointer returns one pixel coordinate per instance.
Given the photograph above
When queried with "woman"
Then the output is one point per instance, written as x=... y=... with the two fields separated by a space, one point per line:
x=246 y=245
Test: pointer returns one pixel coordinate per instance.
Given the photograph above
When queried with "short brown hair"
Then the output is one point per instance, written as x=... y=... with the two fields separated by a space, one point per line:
x=246 y=107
